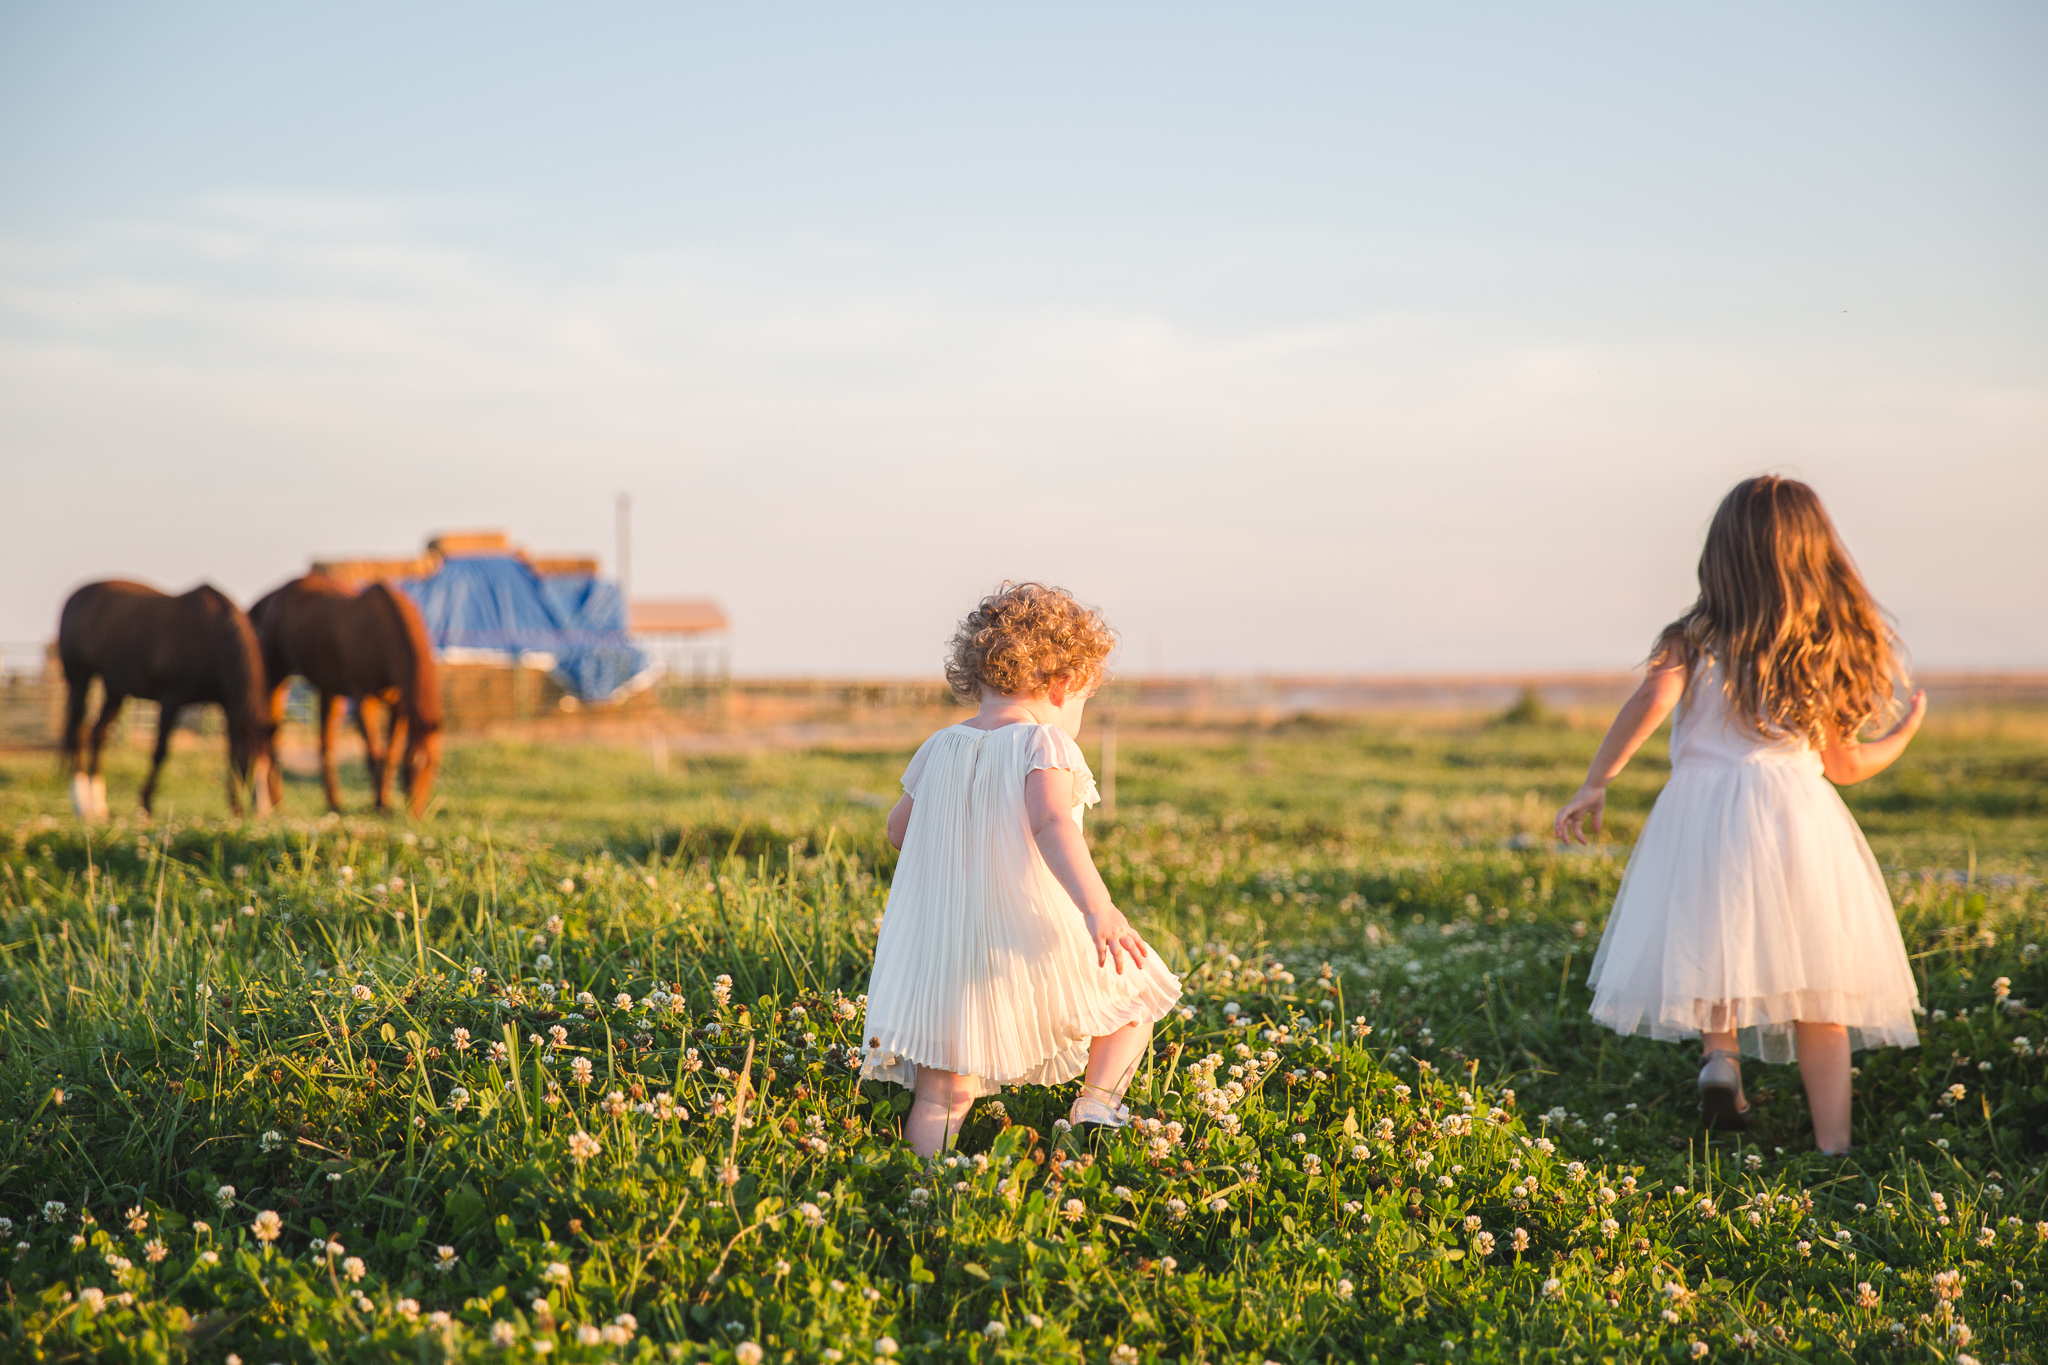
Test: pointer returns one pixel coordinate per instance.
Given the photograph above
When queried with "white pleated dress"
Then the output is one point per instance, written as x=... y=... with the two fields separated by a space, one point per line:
x=983 y=965
x=1751 y=901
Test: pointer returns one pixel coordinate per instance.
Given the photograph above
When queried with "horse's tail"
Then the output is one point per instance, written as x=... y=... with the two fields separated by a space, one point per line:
x=422 y=678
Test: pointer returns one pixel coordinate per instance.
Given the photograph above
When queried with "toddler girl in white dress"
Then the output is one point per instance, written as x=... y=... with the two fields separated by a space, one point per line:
x=1001 y=958
x=1752 y=914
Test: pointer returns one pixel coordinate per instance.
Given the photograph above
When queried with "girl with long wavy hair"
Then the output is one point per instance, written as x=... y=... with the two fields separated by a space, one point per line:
x=1752 y=915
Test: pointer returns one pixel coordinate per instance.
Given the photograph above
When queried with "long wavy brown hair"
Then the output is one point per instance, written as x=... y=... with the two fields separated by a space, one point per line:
x=1803 y=648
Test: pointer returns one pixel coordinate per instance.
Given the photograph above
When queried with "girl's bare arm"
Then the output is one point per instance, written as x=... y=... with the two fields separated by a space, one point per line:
x=1049 y=802
x=1640 y=716
x=899 y=822
x=1846 y=761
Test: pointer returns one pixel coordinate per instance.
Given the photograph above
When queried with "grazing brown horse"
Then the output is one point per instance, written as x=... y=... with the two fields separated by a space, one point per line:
x=368 y=647
x=175 y=651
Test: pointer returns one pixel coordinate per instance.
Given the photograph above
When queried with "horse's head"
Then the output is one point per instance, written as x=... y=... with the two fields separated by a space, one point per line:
x=245 y=696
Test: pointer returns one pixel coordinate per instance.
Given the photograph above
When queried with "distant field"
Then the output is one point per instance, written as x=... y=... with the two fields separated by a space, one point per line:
x=1427 y=1153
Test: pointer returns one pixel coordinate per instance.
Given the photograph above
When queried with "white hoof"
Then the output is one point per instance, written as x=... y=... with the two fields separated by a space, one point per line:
x=81 y=796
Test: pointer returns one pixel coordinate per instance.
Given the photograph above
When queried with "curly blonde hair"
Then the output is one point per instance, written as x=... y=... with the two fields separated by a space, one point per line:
x=1023 y=636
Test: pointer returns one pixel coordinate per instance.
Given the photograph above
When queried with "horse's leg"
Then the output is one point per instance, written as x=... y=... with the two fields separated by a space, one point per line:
x=422 y=761
x=166 y=721
x=96 y=786
x=274 y=774
x=254 y=775
x=330 y=731
x=235 y=790
x=76 y=685
x=396 y=753
x=376 y=753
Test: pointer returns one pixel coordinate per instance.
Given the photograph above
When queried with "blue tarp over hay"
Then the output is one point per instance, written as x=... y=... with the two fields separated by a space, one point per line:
x=496 y=605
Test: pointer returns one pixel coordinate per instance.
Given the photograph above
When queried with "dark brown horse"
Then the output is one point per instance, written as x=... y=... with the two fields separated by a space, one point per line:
x=367 y=647
x=175 y=651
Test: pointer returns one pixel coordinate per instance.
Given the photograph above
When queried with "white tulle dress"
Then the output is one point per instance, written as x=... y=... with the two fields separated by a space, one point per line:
x=1751 y=901
x=983 y=965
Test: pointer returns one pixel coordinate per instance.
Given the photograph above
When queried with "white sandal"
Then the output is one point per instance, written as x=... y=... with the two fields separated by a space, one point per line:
x=1089 y=1110
x=1722 y=1104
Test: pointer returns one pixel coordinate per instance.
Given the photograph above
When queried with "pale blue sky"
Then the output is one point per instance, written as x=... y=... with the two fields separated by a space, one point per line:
x=1298 y=337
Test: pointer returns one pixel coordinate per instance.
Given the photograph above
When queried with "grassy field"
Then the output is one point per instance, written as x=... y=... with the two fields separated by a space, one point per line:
x=562 y=1073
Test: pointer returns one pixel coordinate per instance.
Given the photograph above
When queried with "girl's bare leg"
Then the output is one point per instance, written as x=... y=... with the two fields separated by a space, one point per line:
x=938 y=1107
x=1824 y=1066
x=1113 y=1063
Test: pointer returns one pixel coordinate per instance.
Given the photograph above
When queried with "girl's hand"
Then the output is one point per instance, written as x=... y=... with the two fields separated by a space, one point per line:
x=1844 y=760
x=1587 y=802
x=1909 y=724
x=1113 y=935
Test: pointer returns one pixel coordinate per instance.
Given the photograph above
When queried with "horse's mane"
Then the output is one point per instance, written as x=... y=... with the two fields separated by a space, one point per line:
x=425 y=684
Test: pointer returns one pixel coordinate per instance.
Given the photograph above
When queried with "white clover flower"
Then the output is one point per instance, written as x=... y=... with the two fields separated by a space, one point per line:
x=885 y=1346
x=461 y=1040
x=447 y=1259
x=1553 y=1288
x=503 y=1333
x=995 y=1331
x=581 y=1071
x=354 y=1269
x=272 y=1140
x=582 y=1146
x=267 y=1226
x=361 y=992
x=224 y=1196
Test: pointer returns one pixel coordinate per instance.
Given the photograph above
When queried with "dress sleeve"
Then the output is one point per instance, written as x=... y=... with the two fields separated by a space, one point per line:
x=1052 y=747
x=915 y=771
